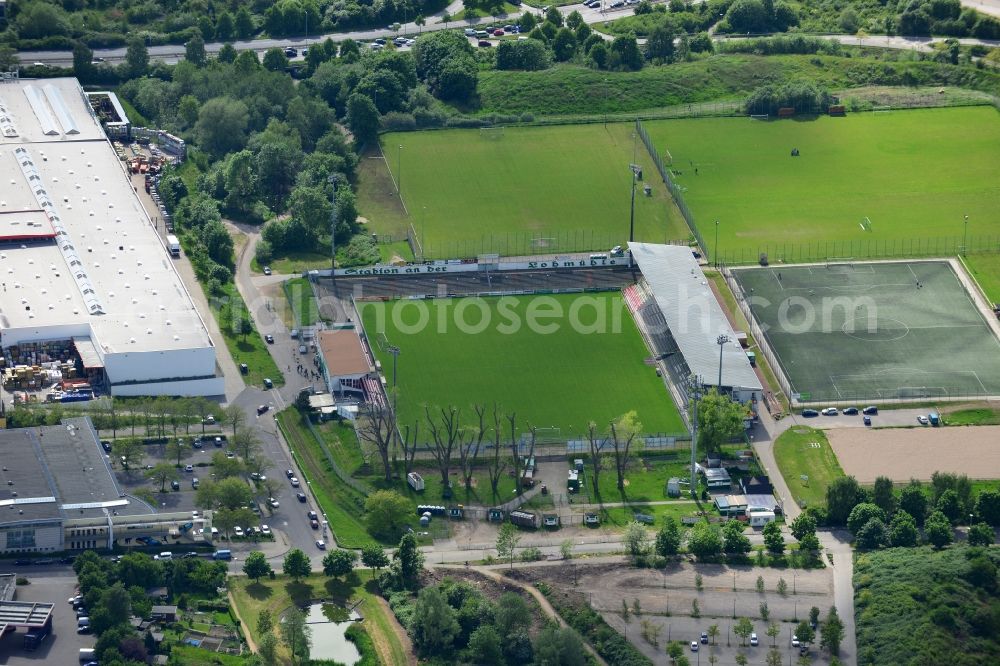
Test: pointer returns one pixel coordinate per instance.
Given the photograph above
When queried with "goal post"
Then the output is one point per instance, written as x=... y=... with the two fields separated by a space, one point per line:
x=494 y=133
x=866 y=224
x=759 y=116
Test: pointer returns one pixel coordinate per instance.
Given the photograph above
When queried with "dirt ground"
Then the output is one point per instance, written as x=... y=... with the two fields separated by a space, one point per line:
x=915 y=453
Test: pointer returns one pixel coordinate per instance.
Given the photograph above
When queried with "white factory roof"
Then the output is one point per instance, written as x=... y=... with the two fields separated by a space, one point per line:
x=693 y=314
x=107 y=267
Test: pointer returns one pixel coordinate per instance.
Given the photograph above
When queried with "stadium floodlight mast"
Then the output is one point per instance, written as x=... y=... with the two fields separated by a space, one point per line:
x=394 y=350
x=399 y=170
x=333 y=226
x=636 y=170
x=965 y=241
x=716 y=248
x=721 y=341
x=694 y=389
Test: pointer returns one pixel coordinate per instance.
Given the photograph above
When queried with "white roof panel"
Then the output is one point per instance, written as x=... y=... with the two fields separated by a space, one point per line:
x=693 y=314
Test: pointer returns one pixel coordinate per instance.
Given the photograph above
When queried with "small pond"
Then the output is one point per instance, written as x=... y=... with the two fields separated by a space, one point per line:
x=329 y=622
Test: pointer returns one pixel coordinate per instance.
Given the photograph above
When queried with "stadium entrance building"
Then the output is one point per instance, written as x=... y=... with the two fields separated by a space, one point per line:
x=685 y=324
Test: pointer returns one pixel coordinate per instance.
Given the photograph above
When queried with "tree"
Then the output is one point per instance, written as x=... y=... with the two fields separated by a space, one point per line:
x=624 y=431
x=597 y=443
x=265 y=622
x=948 y=504
x=177 y=450
x=937 y=530
x=734 y=541
x=338 y=563
x=773 y=657
x=805 y=632
x=256 y=566
x=988 y=505
x=841 y=497
x=883 y=497
x=374 y=557
x=668 y=539
x=507 y=539
x=221 y=125
x=410 y=559
x=362 y=117
x=913 y=501
x=234 y=416
x=243 y=23
x=660 y=43
x=705 y=541
x=564 y=45
x=773 y=630
x=903 y=530
x=774 y=540
x=484 y=646
x=873 y=535
x=267 y=649
x=295 y=633
x=635 y=539
x=982 y=573
x=386 y=512
x=804 y=524
x=741 y=659
x=981 y=534
x=469 y=444
x=433 y=625
x=136 y=58
x=83 y=59
x=743 y=628
x=275 y=60
x=832 y=632
x=128 y=451
x=720 y=419
x=559 y=646
x=296 y=564
x=497 y=463
x=713 y=632
x=194 y=51
x=161 y=473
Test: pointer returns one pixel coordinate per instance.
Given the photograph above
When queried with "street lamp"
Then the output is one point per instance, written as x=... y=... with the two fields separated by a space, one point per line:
x=333 y=226
x=721 y=341
x=394 y=350
x=636 y=170
x=716 y=252
x=965 y=241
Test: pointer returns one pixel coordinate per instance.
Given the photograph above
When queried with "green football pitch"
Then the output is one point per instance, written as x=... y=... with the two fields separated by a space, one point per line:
x=867 y=331
x=558 y=361
x=914 y=174
x=516 y=191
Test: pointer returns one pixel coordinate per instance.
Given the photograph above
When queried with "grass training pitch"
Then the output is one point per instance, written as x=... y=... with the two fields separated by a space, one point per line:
x=915 y=174
x=561 y=378
x=868 y=331
x=516 y=191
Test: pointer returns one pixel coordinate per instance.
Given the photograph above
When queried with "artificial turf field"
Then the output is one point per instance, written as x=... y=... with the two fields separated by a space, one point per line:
x=915 y=174
x=562 y=379
x=866 y=331
x=468 y=194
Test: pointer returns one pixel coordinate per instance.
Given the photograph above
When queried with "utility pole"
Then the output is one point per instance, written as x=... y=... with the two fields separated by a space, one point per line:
x=716 y=248
x=394 y=350
x=965 y=241
x=636 y=170
x=399 y=171
x=694 y=389
x=333 y=227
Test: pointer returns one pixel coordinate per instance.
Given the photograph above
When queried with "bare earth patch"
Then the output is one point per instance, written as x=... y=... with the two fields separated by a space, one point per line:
x=905 y=453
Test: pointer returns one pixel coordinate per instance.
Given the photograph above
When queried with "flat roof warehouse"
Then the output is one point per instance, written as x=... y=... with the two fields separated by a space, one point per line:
x=79 y=256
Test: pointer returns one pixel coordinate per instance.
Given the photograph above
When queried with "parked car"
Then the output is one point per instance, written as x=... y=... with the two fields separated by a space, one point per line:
x=301 y=497
x=809 y=413
x=829 y=411
x=867 y=420
x=273 y=503
x=267 y=270
x=484 y=44
x=289 y=473
x=922 y=420
x=238 y=531
x=469 y=32
x=188 y=468
x=694 y=646
x=314 y=524
x=175 y=485
x=850 y=411
x=106 y=445
x=269 y=339
x=320 y=544
x=291 y=52
x=294 y=481
x=870 y=410
x=704 y=637
x=795 y=640
x=311 y=515
x=498 y=32
x=261 y=409
x=754 y=640
x=265 y=530
x=268 y=384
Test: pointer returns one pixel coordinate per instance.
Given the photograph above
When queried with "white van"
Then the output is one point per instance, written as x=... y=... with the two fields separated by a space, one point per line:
x=87 y=655
x=165 y=557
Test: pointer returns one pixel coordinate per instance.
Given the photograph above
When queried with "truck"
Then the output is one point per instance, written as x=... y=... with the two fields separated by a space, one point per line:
x=174 y=246
x=524 y=519
x=934 y=418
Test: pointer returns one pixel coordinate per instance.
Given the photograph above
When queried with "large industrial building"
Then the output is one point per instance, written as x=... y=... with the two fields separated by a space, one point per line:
x=82 y=268
x=58 y=492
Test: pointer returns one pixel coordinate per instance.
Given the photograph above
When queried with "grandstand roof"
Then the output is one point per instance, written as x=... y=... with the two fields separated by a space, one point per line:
x=343 y=353
x=693 y=314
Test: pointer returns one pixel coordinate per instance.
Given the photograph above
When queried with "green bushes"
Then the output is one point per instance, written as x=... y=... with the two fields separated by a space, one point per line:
x=802 y=96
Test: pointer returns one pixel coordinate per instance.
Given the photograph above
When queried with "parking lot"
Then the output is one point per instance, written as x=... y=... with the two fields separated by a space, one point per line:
x=172 y=500
x=54 y=585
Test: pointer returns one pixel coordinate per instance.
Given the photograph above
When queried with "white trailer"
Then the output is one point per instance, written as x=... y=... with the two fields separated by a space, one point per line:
x=416 y=481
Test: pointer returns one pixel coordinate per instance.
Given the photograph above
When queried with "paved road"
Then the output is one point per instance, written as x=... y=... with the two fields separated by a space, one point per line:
x=171 y=53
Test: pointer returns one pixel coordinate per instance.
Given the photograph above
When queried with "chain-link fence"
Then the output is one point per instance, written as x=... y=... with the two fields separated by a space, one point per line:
x=866 y=248
x=527 y=243
x=675 y=191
